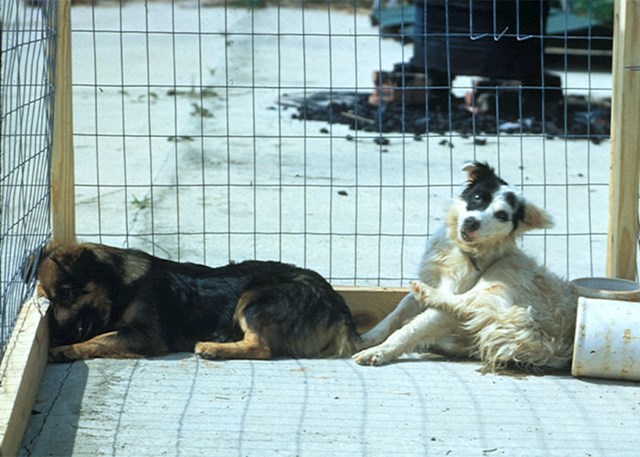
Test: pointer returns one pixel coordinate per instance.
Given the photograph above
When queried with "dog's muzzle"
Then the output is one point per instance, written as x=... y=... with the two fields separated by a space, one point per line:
x=76 y=328
x=469 y=226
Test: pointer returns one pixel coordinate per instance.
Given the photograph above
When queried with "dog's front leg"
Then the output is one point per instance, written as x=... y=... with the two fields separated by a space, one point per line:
x=424 y=329
x=462 y=305
x=114 y=345
x=405 y=310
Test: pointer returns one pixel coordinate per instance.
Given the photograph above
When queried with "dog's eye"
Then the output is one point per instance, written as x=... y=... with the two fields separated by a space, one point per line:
x=502 y=216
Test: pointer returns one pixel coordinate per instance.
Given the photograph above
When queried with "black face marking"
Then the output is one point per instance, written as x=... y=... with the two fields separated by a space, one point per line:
x=518 y=210
x=518 y=215
x=502 y=216
x=511 y=199
x=480 y=190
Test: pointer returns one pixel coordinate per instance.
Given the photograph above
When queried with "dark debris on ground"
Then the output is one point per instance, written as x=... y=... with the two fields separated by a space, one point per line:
x=573 y=117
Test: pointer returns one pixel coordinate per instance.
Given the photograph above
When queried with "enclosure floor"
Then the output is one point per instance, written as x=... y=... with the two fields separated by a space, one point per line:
x=179 y=405
x=183 y=406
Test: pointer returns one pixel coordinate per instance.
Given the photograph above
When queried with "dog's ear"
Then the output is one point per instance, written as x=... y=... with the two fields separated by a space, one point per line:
x=60 y=256
x=72 y=260
x=476 y=170
x=535 y=218
x=30 y=265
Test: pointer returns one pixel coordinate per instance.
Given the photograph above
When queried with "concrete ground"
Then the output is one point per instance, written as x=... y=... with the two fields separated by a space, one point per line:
x=182 y=406
x=154 y=188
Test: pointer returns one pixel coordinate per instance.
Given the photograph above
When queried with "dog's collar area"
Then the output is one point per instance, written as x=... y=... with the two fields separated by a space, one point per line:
x=474 y=261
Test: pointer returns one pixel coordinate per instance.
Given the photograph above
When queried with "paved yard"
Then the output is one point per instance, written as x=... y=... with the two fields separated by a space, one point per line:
x=182 y=406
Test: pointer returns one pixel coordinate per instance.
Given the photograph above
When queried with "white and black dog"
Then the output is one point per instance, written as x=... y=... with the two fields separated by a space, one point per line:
x=479 y=295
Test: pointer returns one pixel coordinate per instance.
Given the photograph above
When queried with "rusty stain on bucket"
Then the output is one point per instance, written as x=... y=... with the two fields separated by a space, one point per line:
x=607 y=353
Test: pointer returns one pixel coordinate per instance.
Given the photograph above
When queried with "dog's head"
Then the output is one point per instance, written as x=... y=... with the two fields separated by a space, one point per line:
x=489 y=210
x=77 y=283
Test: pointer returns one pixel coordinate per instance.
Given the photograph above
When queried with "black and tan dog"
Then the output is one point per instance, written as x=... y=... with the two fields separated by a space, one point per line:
x=123 y=303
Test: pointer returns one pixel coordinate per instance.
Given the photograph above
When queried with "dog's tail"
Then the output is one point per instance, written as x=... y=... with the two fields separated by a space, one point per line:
x=515 y=338
x=533 y=352
x=343 y=341
x=352 y=344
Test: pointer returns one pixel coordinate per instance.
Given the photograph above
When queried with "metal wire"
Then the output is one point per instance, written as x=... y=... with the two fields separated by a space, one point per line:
x=269 y=186
x=26 y=94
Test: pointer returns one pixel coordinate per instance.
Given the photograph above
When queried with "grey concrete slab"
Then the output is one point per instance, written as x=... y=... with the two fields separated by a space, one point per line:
x=182 y=406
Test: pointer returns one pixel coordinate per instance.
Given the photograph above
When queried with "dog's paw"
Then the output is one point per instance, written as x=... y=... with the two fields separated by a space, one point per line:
x=421 y=291
x=374 y=356
x=206 y=351
x=63 y=354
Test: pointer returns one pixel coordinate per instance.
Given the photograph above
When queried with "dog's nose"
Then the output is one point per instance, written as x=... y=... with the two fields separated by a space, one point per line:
x=470 y=224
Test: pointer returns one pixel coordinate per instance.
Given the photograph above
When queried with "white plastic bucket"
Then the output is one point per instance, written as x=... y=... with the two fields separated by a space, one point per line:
x=611 y=288
x=607 y=341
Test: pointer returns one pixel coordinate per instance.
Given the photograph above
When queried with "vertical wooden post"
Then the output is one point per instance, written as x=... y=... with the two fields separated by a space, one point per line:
x=624 y=173
x=63 y=218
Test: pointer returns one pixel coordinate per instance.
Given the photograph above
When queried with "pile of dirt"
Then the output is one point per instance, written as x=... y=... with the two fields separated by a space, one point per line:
x=572 y=117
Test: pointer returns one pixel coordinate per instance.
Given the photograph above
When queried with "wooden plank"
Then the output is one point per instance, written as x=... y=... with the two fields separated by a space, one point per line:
x=370 y=305
x=625 y=138
x=21 y=372
x=63 y=218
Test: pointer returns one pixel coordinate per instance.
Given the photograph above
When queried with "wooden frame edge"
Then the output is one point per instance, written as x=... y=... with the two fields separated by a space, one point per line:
x=624 y=172
x=62 y=180
x=369 y=305
x=21 y=373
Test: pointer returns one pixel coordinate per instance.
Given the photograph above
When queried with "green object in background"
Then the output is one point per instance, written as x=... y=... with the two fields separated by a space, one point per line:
x=599 y=10
x=249 y=3
x=393 y=18
x=583 y=15
x=559 y=22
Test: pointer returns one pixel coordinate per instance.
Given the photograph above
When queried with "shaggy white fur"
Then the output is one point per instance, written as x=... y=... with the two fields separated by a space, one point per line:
x=479 y=294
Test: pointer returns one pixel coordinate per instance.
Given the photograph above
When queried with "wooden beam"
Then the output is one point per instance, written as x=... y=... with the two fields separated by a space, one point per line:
x=63 y=217
x=21 y=372
x=370 y=305
x=624 y=174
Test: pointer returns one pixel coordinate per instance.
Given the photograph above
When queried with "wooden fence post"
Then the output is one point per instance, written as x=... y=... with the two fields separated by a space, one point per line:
x=625 y=142
x=63 y=218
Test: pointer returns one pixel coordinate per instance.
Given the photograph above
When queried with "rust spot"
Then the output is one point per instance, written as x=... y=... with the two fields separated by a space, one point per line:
x=577 y=368
x=494 y=289
x=607 y=354
x=627 y=336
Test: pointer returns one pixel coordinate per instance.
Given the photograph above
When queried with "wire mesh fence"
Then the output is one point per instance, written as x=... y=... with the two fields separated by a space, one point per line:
x=330 y=134
x=326 y=134
x=26 y=102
